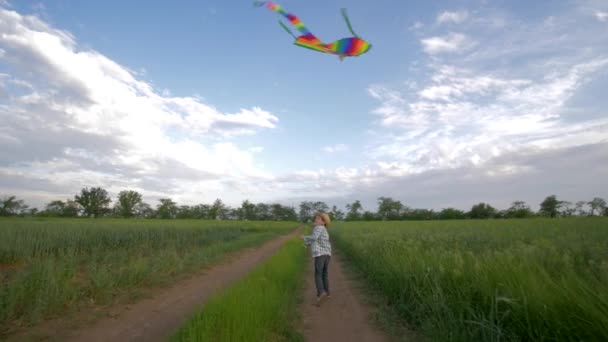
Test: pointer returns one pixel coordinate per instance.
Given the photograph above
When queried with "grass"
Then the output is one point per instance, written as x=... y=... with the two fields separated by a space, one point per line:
x=507 y=280
x=261 y=307
x=49 y=267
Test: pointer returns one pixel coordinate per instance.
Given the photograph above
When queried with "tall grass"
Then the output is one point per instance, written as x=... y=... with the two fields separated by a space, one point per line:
x=508 y=280
x=261 y=307
x=50 y=266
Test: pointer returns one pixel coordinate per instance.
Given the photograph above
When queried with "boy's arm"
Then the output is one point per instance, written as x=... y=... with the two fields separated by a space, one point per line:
x=307 y=239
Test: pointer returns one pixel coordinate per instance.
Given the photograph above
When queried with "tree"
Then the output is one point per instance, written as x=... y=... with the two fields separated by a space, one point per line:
x=275 y=211
x=451 y=214
x=419 y=214
x=519 y=209
x=566 y=209
x=263 y=212
x=597 y=205
x=200 y=211
x=389 y=209
x=247 y=211
x=10 y=206
x=549 y=207
x=72 y=208
x=283 y=213
x=95 y=202
x=369 y=216
x=306 y=211
x=320 y=206
x=59 y=208
x=184 y=212
x=580 y=208
x=144 y=210
x=353 y=211
x=128 y=202
x=482 y=211
x=501 y=214
x=231 y=214
x=218 y=211
x=336 y=214
x=289 y=214
x=166 y=209
x=55 y=208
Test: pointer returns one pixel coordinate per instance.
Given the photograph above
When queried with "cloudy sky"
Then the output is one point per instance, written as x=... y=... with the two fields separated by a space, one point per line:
x=457 y=102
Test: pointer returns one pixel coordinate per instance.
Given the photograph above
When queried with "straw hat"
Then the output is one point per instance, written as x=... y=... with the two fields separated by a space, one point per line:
x=325 y=218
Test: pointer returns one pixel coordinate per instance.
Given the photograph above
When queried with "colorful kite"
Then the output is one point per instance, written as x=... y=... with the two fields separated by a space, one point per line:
x=345 y=47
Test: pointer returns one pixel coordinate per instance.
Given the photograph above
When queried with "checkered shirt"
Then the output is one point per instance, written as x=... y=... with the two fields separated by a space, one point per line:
x=319 y=242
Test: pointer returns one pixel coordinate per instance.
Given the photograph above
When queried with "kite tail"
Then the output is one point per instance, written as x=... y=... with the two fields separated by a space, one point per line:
x=295 y=21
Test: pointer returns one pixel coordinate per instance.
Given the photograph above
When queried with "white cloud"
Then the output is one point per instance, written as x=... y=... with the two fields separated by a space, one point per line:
x=454 y=17
x=463 y=117
x=335 y=148
x=76 y=118
x=513 y=92
x=529 y=175
x=451 y=43
x=601 y=16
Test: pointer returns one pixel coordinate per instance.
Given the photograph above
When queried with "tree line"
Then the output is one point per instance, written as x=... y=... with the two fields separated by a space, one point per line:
x=96 y=202
x=390 y=209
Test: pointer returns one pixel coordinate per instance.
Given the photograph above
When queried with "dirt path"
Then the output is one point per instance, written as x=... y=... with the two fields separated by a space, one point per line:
x=156 y=318
x=343 y=317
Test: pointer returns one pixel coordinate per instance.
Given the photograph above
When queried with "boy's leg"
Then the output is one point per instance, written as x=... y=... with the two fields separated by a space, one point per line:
x=319 y=275
x=326 y=273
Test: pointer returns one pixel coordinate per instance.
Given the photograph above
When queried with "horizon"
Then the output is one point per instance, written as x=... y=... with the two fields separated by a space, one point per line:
x=534 y=208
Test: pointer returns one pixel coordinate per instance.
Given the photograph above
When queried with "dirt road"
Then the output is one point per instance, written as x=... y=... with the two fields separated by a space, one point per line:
x=343 y=317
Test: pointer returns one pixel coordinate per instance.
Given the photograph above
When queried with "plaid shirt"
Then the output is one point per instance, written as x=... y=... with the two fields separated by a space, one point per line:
x=319 y=242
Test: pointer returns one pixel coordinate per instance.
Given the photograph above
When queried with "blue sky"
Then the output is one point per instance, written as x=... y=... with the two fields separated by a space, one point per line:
x=457 y=102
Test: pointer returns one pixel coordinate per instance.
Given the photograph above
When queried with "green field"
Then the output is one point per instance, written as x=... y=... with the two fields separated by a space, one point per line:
x=487 y=280
x=52 y=266
x=261 y=307
x=466 y=280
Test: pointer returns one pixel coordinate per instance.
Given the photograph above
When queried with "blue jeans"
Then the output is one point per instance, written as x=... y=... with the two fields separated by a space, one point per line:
x=321 y=277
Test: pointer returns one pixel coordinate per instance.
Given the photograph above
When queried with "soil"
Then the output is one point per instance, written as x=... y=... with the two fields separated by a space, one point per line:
x=342 y=317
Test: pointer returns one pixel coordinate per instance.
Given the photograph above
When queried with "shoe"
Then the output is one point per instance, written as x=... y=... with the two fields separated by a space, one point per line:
x=322 y=298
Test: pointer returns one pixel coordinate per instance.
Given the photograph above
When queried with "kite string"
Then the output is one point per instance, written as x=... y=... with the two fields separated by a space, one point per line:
x=350 y=28
x=287 y=29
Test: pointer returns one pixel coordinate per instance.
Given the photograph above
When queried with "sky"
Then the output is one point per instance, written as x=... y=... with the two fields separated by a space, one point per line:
x=456 y=103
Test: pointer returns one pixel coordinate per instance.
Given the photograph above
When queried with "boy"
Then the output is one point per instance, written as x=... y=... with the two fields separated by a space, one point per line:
x=321 y=252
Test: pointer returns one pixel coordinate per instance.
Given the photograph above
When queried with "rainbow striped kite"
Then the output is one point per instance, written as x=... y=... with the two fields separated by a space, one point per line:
x=345 y=47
